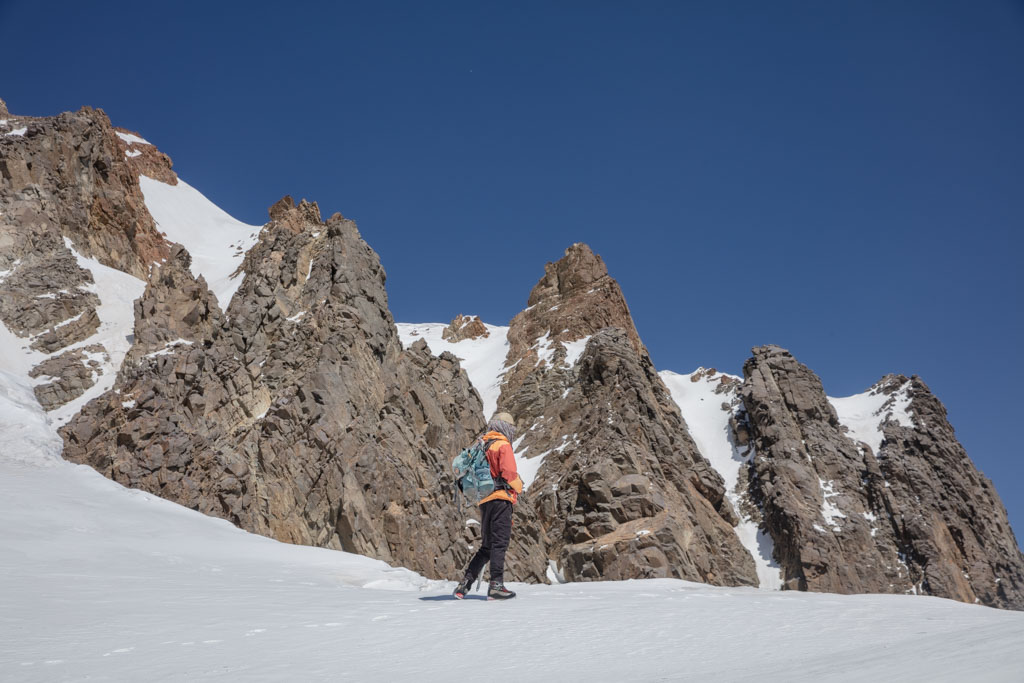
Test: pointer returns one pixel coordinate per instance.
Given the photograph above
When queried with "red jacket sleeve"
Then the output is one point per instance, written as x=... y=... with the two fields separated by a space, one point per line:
x=507 y=468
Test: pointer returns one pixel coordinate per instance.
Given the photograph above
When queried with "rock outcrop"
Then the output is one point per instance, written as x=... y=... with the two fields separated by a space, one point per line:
x=69 y=190
x=298 y=415
x=465 y=327
x=914 y=517
x=71 y=173
x=622 y=491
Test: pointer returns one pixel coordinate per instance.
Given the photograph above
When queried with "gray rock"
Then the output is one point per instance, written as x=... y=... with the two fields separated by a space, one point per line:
x=298 y=415
x=623 y=491
x=917 y=517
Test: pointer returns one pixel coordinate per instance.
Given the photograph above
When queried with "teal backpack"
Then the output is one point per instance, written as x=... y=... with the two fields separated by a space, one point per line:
x=473 y=472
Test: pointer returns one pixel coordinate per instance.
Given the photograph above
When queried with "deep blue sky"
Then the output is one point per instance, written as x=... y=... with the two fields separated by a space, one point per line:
x=842 y=179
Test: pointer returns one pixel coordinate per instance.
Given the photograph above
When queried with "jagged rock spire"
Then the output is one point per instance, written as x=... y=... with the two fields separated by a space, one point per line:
x=623 y=491
x=914 y=517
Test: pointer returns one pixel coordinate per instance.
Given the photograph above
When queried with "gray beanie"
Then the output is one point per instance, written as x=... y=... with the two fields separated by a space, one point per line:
x=503 y=423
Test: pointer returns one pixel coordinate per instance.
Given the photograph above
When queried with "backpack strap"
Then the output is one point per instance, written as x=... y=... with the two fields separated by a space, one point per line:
x=499 y=481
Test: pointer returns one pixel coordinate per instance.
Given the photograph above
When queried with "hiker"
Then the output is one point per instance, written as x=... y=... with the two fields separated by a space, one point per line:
x=496 y=510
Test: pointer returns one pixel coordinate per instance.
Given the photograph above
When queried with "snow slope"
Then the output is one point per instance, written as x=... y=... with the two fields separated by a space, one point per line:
x=483 y=359
x=708 y=424
x=105 y=583
x=863 y=414
x=117 y=292
x=216 y=241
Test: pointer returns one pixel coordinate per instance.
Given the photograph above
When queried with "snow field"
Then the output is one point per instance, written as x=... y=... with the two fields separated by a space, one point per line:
x=117 y=292
x=863 y=414
x=216 y=241
x=483 y=359
x=105 y=583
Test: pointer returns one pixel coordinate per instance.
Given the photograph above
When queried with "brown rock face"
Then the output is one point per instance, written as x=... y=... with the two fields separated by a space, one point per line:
x=145 y=159
x=915 y=518
x=70 y=172
x=70 y=374
x=465 y=327
x=298 y=415
x=947 y=514
x=623 y=491
x=66 y=182
x=575 y=298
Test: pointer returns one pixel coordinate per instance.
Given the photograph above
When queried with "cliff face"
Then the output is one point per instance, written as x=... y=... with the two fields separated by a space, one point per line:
x=915 y=516
x=298 y=414
x=76 y=175
x=69 y=193
x=621 y=490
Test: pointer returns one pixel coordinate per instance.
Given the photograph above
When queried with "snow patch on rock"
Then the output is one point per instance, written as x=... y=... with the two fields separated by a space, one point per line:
x=707 y=417
x=132 y=139
x=864 y=414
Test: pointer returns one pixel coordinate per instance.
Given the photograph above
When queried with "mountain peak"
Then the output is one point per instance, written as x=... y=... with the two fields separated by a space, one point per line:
x=285 y=212
x=578 y=268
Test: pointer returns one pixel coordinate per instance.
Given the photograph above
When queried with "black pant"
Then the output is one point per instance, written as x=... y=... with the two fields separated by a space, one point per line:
x=496 y=529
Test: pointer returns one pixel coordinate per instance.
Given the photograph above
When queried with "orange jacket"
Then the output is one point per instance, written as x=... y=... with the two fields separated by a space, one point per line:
x=503 y=464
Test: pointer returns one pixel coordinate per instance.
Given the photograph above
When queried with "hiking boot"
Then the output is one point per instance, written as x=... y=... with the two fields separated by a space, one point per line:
x=497 y=591
x=463 y=588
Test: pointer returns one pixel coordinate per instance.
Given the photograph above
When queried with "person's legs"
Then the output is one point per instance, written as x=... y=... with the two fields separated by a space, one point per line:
x=500 y=532
x=482 y=556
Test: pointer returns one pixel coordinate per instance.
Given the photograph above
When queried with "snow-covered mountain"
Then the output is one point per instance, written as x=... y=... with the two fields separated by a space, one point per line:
x=255 y=374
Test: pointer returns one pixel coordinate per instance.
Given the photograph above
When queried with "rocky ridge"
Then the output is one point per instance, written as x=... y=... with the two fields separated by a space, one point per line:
x=297 y=413
x=68 y=191
x=914 y=517
x=623 y=491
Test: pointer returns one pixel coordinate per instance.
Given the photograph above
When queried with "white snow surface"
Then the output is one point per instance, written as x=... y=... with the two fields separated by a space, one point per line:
x=132 y=139
x=829 y=510
x=216 y=241
x=18 y=132
x=863 y=414
x=117 y=292
x=106 y=583
x=574 y=349
x=708 y=424
x=483 y=358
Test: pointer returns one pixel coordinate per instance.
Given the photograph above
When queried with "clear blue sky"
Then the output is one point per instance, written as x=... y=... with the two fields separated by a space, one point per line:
x=842 y=179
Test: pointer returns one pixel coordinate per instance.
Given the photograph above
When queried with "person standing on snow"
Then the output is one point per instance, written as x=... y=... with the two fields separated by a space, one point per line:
x=496 y=511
